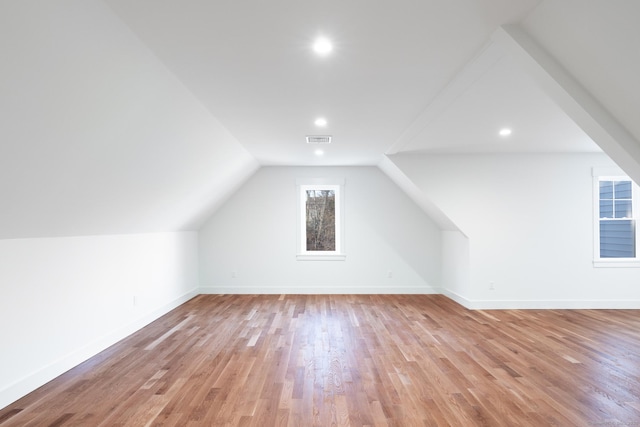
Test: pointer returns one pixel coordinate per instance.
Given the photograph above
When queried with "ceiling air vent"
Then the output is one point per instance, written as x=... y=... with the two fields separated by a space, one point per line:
x=318 y=139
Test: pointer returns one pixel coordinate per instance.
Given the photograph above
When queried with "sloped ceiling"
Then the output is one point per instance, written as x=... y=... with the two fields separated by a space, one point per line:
x=122 y=116
x=598 y=43
x=96 y=135
x=493 y=92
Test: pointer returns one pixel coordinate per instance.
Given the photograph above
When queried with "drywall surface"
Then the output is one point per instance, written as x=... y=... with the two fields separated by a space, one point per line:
x=98 y=137
x=250 y=243
x=597 y=43
x=455 y=264
x=529 y=223
x=65 y=299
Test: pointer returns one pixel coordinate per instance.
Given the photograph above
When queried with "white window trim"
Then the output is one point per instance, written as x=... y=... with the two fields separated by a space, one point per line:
x=302 y=185
x=613 y=175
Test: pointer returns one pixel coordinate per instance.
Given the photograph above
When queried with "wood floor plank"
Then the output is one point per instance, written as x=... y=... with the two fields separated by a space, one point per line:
x=352 y=360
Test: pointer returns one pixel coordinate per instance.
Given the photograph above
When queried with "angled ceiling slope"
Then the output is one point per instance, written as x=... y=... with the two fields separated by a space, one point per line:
x=493 y=92
x=514 y=83
x=596 y=43
x=98 y=137
x=563 y=77
x=587 y=111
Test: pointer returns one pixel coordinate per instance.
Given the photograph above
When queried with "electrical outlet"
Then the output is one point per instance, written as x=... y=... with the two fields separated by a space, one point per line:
x=389 y=274
x=492 y=286
x=234 y=274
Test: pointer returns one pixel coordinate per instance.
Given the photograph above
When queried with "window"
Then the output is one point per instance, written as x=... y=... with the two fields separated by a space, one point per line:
x=320 y=222
x=616 y=213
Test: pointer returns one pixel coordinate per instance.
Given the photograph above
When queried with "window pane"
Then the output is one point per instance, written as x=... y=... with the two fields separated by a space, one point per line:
x=606 y=208
x=622 y=189
x=623 y=209
x=606 y=189
x=617 y=239
x=321 y=220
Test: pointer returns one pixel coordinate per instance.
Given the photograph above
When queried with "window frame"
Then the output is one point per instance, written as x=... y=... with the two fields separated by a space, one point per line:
x=302 y=185
x=614 y=175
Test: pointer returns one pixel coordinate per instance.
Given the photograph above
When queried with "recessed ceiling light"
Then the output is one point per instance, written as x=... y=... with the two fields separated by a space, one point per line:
x=505 y=132
x=322 y=46
x=321 y=122
x=318 y=153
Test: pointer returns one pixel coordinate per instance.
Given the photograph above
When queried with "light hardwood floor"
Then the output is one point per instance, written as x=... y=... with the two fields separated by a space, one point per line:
x=359 y=360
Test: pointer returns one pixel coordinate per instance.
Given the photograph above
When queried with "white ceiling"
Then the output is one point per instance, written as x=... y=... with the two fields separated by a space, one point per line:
x=129 y=116
x=96 y=135
x=490 y=94
x=253 y=68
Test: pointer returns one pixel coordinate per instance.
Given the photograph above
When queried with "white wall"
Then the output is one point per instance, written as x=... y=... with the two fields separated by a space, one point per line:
x=62 y=300
x=528 y=219
x=456 y=275
x=254 y=235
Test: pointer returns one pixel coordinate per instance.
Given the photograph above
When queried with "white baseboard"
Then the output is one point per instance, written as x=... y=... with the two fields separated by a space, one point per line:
x=30 y=382
x=542 y=304
x=319 y=290
x=457 y=298
x=556 y=305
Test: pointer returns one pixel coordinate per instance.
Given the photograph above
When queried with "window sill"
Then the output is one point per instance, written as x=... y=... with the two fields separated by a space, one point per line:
x=318 y=257
x=617 y=263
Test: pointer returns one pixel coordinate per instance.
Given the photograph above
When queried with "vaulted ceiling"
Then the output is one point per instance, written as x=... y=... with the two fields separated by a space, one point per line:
x=122 y=116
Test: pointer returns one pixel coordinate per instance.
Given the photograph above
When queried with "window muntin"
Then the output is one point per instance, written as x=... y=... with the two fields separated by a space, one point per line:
x=616 y=233
x=617 y=225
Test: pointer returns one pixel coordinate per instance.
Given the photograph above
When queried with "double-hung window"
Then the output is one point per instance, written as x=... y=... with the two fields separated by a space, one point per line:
x=616 y=229
x=320 y=221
